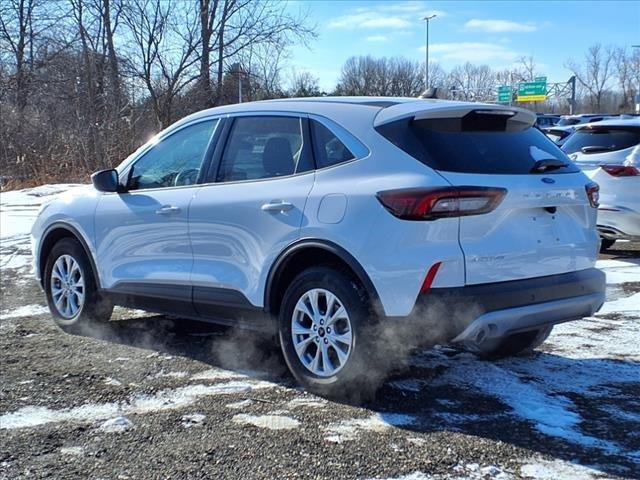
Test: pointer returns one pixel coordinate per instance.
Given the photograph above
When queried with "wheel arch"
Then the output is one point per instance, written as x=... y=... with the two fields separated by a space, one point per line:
x=309 y=252
x=56 y=232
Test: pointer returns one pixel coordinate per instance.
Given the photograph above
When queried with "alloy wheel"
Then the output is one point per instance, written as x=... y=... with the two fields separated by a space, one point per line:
x=67 y=286
x=321 y=332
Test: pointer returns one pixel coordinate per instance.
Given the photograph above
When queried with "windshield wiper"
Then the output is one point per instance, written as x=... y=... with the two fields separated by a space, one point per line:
x=546 y=165
x=595 y=149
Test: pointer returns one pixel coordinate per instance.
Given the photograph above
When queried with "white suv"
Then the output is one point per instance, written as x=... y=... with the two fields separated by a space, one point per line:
x=331 y=223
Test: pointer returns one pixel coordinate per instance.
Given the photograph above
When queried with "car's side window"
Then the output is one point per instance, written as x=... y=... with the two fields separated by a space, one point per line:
x=174 y=161
x=264 y=147
x=328 y=149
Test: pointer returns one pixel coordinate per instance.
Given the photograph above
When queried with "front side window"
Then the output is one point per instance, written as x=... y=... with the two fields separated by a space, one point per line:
x=601 y=140
x=328 y=149
x=264 y=147
x=175 y=160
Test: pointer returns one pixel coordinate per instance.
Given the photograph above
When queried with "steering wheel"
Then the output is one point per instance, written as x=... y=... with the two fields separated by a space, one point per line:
x=186 y=177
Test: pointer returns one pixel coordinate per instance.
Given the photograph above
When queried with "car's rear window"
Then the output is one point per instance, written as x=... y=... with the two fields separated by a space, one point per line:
x=565 y=122
x=446 y=145
x=601 y=140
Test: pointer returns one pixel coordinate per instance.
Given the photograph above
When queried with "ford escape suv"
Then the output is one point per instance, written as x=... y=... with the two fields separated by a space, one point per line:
x=325 y=221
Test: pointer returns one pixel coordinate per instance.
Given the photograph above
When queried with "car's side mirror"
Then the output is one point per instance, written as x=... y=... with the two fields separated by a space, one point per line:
x=106 y=180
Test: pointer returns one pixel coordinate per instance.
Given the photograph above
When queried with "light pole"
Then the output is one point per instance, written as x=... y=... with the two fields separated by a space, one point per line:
x=636 y=100
x=426 y=51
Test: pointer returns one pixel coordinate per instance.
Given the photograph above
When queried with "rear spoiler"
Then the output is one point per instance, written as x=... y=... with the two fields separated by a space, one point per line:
x=428 y=109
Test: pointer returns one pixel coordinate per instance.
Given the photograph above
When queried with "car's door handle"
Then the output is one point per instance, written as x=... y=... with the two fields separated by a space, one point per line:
x=277 y=206
x=168 y=210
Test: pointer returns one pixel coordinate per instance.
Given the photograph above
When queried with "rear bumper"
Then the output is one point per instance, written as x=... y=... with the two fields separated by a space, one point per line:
x=479 y=316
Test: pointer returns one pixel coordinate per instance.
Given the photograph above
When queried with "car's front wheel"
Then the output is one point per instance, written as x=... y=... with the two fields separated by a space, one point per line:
x=325 y=329
x=72 y=295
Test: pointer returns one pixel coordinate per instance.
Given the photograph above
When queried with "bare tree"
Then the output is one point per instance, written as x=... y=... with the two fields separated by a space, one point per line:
x=627 y=67
x=165 y=38
x=230 y=27
x=383 y=76
x=304 y=84
x=473 y=82
x=596 y=72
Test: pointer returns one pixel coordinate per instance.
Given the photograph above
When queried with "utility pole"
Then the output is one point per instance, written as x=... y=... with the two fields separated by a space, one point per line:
x=636 y=100
x=426 y=51
x=572 y=102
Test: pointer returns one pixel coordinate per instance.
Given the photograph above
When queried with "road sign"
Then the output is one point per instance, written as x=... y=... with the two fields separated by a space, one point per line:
x=540 y=79
x=532 y=91
x=504 y=94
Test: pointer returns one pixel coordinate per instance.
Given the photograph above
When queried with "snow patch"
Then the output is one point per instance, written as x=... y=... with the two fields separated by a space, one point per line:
x=193 y=420
x=217 y=374
x=75 y=451
x=31 y=416
x=625 y=305
x=558 y=470
x=25 y=311
x=239 y=405
x=307 y=402
x=620 y=271
x=117 y=425
x=347 y=430
x=270 y=422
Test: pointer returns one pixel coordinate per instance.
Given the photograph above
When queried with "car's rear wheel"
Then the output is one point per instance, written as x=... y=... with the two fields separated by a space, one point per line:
x=72 y=295
x=325 y=327
x=606 y=244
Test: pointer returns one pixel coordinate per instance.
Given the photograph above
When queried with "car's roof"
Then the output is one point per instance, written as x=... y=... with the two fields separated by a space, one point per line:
x=320 y=104
x=612 y=122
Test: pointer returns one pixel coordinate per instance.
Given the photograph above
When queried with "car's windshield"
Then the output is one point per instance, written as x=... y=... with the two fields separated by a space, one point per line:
x=599 y=140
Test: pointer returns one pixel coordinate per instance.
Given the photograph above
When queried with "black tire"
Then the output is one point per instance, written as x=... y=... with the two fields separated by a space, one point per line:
x=519 y=343
x=606 y=244
x=94 y=309
x=357 y=379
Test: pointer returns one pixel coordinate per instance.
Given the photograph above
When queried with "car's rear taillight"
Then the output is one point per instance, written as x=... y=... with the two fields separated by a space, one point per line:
x=593 y=192
x=434 y=203
x=621 y=170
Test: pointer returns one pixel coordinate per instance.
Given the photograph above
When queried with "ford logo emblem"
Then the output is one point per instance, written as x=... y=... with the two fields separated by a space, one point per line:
x=548 y=180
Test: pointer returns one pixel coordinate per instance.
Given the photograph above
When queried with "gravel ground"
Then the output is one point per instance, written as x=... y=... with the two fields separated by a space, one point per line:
x=156 y=397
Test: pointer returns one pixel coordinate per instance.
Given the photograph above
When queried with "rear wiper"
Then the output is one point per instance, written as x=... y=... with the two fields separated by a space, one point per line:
x=547 y=164
x=595 y=149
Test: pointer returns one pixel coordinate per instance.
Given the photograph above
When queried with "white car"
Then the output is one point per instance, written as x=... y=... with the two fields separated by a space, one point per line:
x=608 y=152
x=566 y=125
x=348 y=227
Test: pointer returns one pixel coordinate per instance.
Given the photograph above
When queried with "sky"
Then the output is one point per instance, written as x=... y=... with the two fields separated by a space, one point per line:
x=495 y=33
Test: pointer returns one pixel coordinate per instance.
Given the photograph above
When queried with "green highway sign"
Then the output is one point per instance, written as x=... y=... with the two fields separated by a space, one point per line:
x=540 y=79
x=504 y=94
x=533 y=91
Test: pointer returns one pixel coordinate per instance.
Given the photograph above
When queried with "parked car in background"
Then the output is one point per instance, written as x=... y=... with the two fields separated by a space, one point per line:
x=572 y=120
x=608 y=152
x=335 y=224
x=558 y=134
x=544 y=120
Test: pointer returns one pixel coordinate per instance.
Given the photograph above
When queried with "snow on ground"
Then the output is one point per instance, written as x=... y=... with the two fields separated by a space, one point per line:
x=170 y=399
x=18 y=211
x=25 y=311
x=270 y=422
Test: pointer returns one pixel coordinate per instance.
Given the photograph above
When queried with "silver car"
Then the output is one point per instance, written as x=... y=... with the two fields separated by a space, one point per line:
x=608 y=152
